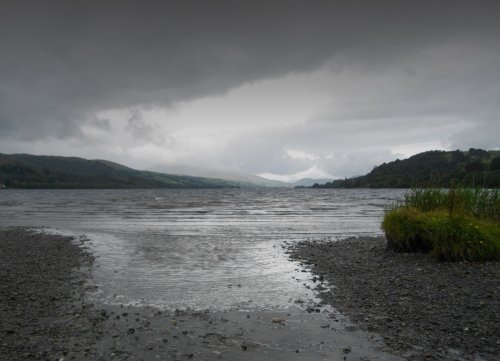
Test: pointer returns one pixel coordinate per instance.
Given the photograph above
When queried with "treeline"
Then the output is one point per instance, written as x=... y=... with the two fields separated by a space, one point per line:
x=472 y=168
x=30 y=171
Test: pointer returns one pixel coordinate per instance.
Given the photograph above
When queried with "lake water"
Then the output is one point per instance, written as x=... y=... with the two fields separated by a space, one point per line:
x=199 y=248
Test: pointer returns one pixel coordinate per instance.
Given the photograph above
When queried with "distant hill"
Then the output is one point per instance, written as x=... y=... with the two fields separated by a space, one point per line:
x=227 y=175
x=475 y=167
x=34 y=171
x=307 y=182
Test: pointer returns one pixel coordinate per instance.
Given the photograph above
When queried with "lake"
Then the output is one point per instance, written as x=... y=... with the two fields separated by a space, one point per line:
x=200 y=249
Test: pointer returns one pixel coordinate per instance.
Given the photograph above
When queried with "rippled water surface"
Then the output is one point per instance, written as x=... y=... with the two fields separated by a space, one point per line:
x=199 y=248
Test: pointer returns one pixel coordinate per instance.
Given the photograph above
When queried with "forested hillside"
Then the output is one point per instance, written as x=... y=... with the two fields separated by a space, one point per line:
x=475 y=167
x=30 y=171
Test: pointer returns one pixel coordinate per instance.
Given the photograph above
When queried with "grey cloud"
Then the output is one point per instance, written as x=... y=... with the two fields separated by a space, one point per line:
x=61 y=62
x=101 y=123
x=343 y=148
x=143 y=132
x=483 y=134
x=137 y=126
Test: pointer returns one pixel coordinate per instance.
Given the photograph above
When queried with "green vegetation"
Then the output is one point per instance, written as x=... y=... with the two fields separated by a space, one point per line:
x=454 y=224
x=475 y=167
x=30 y=171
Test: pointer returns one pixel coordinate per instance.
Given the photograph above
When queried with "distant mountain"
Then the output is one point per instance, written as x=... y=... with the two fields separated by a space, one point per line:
x=34 y=171
x=475 y=167
x=308 y=182
x=227 y=175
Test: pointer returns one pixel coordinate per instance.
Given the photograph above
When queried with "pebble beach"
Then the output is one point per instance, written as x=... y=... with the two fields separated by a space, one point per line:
x=424 y=309
x=386 y=306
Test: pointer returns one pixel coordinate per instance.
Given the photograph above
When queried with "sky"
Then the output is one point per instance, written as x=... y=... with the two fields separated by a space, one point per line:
x=282 y=89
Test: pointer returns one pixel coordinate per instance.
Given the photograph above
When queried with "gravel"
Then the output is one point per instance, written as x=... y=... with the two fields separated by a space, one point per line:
x=424 y=309
x=43 y=315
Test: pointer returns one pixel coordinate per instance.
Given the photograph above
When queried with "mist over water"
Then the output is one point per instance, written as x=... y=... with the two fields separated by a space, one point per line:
x=199 y=248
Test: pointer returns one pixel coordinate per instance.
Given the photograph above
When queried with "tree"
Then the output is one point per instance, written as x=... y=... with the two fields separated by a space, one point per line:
x=495 y=163
x=475 y=166
x=480 y=153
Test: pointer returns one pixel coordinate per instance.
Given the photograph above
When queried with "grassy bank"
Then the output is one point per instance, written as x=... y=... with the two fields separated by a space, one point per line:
x=454 y=224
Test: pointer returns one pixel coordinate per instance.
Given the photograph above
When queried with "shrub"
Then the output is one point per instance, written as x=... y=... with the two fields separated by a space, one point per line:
x=455 y=224
x=405 y=230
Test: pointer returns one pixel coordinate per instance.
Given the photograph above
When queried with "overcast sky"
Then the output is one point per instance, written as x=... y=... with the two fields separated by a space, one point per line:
x=285 y=89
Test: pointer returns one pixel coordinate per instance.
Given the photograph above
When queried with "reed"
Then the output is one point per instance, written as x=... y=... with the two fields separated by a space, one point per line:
x=453 y=224
x=476 y=202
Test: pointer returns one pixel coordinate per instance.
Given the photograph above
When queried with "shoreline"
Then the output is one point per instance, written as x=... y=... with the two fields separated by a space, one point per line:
x=46 y=315
x=424 y=309
x=388 y=306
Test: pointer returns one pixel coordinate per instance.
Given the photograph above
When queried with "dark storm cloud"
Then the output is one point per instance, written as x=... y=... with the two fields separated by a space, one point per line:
x=63 y=61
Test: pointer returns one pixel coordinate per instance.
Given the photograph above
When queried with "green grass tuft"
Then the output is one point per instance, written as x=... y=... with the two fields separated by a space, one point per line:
x=455 y=224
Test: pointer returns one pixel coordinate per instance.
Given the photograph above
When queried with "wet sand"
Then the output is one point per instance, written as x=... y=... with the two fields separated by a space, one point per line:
x=423 y=309
x=46 y=314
